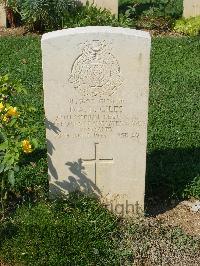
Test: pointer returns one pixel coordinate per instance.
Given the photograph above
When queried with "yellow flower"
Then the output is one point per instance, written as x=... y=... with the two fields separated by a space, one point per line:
x=12 y=111
x=5 y=119
x=1 y=107
x=26 y=146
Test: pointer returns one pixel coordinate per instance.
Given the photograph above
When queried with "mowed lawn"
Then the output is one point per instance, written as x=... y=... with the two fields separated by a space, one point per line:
x=173 y=163
x=79 y=231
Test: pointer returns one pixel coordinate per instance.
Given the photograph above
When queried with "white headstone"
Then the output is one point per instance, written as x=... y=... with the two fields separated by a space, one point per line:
x=96 y=84
x=3 y=20
x=191 y=8
x=111 y=5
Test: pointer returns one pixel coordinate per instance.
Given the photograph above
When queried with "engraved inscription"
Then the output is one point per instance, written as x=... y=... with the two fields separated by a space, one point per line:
x=99 y=118
x=96 y=72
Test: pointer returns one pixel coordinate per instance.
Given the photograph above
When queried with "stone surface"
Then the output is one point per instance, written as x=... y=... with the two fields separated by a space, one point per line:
x=96 y=84
x=194 y=206
x=191 y=8
x=2 y=16
x=111 y=5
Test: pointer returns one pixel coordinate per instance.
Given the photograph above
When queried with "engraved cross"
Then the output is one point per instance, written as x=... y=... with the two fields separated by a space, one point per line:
x=96 y=161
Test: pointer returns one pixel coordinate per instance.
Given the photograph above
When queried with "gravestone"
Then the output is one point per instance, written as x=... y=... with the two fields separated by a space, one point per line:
x=96 y=83
x=191 y=8
x=3 y=20
x=111 y=5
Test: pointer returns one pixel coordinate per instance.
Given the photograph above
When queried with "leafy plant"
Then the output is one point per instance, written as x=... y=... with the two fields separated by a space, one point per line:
x=90 y=15
x=172 y=8
x=193 y=189
x=190 y=26
x=45 y=15
x=152 y=14
x=149 y=21
x=13 y=135
x=42 y=14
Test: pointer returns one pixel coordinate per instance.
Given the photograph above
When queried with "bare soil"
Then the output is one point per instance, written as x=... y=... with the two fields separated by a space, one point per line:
x=180 y=216
x=2 y=264
x=19 y=31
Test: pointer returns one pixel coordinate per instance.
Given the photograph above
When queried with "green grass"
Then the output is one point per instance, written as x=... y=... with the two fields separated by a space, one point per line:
x=79 y=231
x=174 y=124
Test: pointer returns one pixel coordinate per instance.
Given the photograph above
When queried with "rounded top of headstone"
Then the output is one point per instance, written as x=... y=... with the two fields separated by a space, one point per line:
x=95 y=29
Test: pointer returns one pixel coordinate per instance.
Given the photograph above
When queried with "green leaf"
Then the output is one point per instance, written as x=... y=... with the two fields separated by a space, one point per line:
x=7 y=167
x=35 y=143
x=16 y=168
x=12 y=122
x=11 y=177
x=32 y=109
x=1 y=168
x=5 y=195
x=4 y=146
x=6 y=77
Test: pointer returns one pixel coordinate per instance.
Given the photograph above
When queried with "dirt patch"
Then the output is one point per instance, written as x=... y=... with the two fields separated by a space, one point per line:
x=183 y=217
x=2 y=264
x=159 y=33
x=179 y=215
x=19 y=31
x=12 y=31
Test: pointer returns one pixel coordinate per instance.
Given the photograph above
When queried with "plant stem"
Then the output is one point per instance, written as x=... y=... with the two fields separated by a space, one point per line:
x=2 y=201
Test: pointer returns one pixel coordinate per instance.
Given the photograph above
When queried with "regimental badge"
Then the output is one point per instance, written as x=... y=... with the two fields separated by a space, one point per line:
x=96 y=72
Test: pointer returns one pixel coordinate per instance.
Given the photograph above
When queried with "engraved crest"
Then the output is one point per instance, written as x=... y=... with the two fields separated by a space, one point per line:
x=96 y=72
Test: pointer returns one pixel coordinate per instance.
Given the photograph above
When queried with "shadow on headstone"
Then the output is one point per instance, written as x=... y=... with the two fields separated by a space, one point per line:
x=78 y=181
x=51 y=148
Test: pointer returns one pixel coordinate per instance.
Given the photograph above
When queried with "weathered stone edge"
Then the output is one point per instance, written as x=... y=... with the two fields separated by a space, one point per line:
x=96 y=29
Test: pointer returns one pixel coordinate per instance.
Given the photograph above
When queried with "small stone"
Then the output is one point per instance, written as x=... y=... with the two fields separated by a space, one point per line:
x=195 y=206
